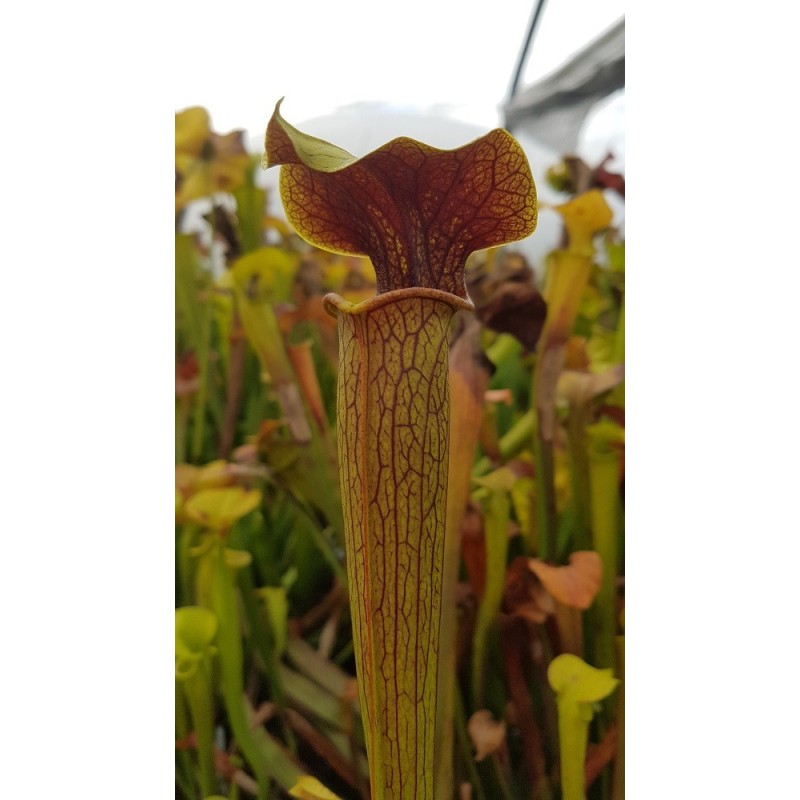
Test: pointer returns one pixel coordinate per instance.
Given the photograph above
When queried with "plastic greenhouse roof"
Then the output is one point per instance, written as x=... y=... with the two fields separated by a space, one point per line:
x=554 y=108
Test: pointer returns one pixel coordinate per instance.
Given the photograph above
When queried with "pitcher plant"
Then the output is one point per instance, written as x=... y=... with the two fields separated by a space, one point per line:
x=417 y=212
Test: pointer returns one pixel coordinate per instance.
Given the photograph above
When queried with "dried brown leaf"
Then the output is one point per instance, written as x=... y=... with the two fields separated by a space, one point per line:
x=524 y=595
x=574 y=585
x=516 y=309
x=507 y=300
x=487 y=734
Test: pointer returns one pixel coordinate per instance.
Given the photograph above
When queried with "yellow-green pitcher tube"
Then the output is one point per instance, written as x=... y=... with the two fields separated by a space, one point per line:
x=393 y=435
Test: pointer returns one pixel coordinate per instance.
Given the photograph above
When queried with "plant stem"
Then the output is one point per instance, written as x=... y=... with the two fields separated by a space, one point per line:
x=515 y=440
x=515 y=643
x=186 y=590
x=497 y=512
x=198 y=695
x=232 y=665
x=619 y=343
x=198 y=432
x=579 y=469
x=618 y=775
x=545 y=497
x=238 y=353
x=604 y=481
x=263 y=643
x=468 y=382
x=181 y=426
x=183 y=768
x=573 y=732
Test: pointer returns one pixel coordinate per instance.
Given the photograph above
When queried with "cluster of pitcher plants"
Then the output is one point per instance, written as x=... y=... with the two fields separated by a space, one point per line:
x=399 y=474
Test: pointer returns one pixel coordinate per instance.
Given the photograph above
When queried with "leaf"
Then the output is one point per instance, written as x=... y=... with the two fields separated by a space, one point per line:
x=522 y=494
x=575 y=680
x=575 y=176
x=606 y=437
x=567 y=275
x=507 y=300
x=302 y=361
x=469 y=376
x=237 y=559
x=500 y=480
x=277 y=605
x=609 y=180
x=601 y=349
x=580 y=387
x=190 y=479
x=487 y=734
x=206 y=162
x=393 y=437
x=327 y=674
x=195 y=629
x=575 y=585
x=583 y=216
x=497 y=510
x=309 y=788
x=516 y=309
x=219 y=509
x=616 y=256
x=416 y=211
x=578 y=687
x=265 y=275
x=575 y=357
x=256 y=286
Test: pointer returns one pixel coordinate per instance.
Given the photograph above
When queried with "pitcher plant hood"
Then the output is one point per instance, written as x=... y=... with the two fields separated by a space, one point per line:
x=416 y=211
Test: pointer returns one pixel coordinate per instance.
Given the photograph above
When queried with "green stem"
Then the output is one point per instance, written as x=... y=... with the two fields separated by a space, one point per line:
x=545 y=497
x=183 y=767
x=497 y=512
x=185 y=784
x=235 y=380
x=232 y=666
x=186 y=589
x=619 y=343
x=578 y=687
x=198 y=695
x=579 y=469
x=514 y=441
x=316 y=468
x=198 y=432
x=503 y=347
x=264 y=645
x=181 y=426
x=604 y=482
x=196 y=324
x=573 y=732
x=502 y=778
x=618 y=778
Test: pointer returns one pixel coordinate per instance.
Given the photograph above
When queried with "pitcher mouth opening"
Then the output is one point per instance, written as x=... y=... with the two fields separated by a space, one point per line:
x=335 y=304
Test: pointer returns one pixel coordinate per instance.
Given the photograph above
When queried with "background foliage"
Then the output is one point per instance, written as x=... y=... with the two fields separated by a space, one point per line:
x=261 y=598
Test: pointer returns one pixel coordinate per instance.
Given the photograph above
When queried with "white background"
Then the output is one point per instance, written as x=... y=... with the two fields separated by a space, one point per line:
x=455 y=58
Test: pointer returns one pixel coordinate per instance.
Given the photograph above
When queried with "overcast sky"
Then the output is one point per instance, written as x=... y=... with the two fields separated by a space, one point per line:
x=454 y=57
